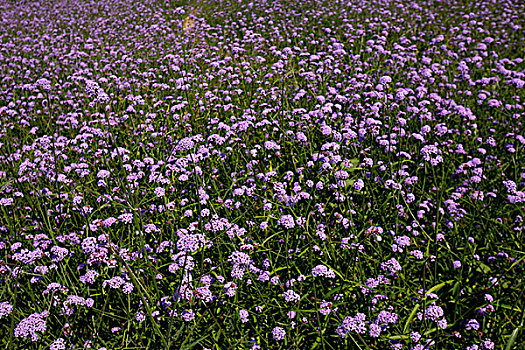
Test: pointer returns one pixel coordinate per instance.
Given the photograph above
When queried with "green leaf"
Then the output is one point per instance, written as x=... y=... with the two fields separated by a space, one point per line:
x=483 y=268
x=437 y=287
x=512 y=339
x=411 y=317
x=349 y=182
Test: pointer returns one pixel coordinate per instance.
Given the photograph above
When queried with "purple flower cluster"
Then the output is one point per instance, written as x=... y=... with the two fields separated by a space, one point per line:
x=5 y=309
x=30 y=326
x=262 y=168
x=322 y=270
x=352 y=324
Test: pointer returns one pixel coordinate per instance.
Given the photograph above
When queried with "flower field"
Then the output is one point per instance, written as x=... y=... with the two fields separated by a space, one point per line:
x=265 y=174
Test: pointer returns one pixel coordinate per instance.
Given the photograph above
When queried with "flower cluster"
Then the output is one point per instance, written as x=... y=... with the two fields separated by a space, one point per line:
x=285 y=173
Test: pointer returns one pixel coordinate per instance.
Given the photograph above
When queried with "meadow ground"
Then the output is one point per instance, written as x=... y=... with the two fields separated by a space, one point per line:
x=280 y=174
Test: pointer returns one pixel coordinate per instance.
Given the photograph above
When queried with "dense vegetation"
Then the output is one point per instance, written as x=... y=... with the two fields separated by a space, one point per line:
x=295 y=174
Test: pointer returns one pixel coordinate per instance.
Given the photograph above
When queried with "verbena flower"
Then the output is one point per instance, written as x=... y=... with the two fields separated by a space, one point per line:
x=278 y=333
x=59 y=344
x=31 y=326
x=352 y=324
x=5 y=309
x=291 y=296
x=243 y=315
x=322 y=270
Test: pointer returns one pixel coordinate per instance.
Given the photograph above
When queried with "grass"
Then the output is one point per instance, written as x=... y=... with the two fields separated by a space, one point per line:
x=166 y=167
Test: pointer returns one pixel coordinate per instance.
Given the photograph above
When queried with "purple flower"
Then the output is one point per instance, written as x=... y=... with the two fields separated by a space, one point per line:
x=385 y=80
x=375 y=330
x=417 y=253
x=5 y=309
x=443 y=323
x=267 y=206
x=140 y=317
x=126 y=218
x=243 y=315
x=401 y=242
x=359 y=185
x=325 y=307
x=44 y=84
x=188 y=315
x=415 y=336
x=30 y=326
x=159 y=192
x=102 y=174
x=291 y=296
x=472 y=324
x=352 y=324
x=434 y=312
x=230 y=288
x=391 y=265
x=488 y=344
x=269 y=145
x=59 y=344
x=240 y=258
x=127 y=288
x=264 y=276
x=89 y=277
x=287 y=221
x=322 y=270
x=278 y=333
x=386 y=317
x=432 y=154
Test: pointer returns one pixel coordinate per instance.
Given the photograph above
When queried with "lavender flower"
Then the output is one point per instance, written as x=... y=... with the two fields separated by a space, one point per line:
x=291 y=296
x=5 y=309
x=243 y=315
x=322 y=270
x=391 y=265
x=352 y=324
x=278 y=333
x=30 y=326
x=287 y=221
x=59 y=344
